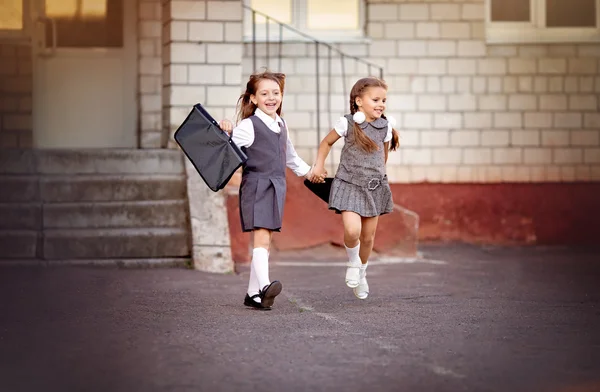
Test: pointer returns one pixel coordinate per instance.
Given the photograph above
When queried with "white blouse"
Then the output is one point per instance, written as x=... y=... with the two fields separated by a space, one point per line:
x=341 y=127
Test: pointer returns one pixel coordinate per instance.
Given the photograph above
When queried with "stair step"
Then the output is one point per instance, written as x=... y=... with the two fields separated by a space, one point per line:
x=97 y=205
x=21 y=262
x=18 y=244
x=15 y=161
x=113 y=187
x=113 y=161
x=19 y=189
x=97 y=161
x=115 y=243
x=156 y=213
x=167 y=262
x=20 y=216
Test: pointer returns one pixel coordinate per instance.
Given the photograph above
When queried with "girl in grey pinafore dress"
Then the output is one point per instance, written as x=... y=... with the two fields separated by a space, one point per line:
x=360 y=184
x=360 y=189
x=262 y=134
x=262 y=191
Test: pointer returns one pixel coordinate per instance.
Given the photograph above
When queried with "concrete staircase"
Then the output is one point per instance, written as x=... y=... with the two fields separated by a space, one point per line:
x=93 y=206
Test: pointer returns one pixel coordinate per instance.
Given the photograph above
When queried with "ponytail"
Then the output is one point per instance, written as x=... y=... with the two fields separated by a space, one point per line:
x=395 y=142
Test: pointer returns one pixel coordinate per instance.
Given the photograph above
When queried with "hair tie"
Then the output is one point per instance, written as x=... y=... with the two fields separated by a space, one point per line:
x=359 y=117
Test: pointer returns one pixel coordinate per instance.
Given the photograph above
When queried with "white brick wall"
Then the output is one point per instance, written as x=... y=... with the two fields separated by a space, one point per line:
x=202 y=58
x=519 y=112
x=466 y=111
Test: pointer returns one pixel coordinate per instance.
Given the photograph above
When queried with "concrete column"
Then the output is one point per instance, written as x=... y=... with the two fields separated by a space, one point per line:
x=202 y=62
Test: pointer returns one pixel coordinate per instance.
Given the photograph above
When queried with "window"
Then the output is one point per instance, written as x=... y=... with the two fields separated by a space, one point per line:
x=86 y=23
x=12 y=21
x=542 y=21
x=331 y=20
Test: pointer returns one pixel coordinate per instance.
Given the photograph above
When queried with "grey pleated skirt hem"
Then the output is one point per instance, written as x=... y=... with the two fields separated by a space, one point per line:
x=248 y=230
x=261 y=203
x=350 y=197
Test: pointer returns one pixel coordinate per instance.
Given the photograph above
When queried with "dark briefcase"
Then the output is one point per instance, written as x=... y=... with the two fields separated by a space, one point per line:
x=211 y=150
x=322 y=190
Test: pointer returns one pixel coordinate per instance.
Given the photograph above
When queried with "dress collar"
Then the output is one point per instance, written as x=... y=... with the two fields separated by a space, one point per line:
x=268 y=120
x=379 y=123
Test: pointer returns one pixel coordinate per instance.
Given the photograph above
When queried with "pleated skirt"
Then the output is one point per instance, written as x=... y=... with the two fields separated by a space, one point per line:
x=346 y=196
x=261 y=202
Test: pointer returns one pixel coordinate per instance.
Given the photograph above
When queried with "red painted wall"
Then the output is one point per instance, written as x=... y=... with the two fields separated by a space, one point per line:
x=534 y=213
x=511 y=213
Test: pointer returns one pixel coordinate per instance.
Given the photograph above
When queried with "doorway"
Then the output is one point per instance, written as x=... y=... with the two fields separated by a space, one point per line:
x=84 y=74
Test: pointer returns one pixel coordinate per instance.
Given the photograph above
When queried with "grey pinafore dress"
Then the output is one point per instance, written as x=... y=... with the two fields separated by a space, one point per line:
x=360 y=184
x=262 y=190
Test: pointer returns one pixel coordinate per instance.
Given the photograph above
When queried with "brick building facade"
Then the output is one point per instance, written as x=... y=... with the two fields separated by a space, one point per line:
x=468 y=110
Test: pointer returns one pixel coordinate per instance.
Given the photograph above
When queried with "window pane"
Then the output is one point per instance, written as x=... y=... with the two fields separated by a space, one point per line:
x=333 y=14
x=86 y=9
x=571 y=13
x=11 y=15
x=86 y=23
x=511 y=11
x=280 y=10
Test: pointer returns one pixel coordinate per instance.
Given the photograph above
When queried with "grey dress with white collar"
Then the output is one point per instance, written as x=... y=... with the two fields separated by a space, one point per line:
x=360 y=184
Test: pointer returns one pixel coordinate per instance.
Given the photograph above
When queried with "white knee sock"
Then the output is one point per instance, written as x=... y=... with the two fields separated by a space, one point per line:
x=353 y=257
x=260 y=264
x=253 y=283
x=362 y=290
x=353 y=266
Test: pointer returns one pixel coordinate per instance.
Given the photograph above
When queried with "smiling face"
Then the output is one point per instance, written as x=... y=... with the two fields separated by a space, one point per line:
x=268 y=97
x=372 y=102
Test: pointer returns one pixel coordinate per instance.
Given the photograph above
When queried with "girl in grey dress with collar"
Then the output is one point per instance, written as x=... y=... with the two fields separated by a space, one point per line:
x=360 y=191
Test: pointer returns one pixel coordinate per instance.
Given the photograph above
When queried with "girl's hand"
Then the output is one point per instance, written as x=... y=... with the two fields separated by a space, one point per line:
x=309 y=176
x=226 y=125
x=318 y=174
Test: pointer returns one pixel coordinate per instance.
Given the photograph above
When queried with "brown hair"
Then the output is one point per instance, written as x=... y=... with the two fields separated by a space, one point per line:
x=245 y=107
x=359 y=88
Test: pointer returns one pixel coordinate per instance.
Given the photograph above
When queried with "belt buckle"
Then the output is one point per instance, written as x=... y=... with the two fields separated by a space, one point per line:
x=377 y=182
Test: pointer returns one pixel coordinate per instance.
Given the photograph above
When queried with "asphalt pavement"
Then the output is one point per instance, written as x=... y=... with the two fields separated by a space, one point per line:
x=462 y=318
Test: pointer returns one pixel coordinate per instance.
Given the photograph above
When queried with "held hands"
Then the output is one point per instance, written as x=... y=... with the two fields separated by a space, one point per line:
x=316 y=174
x=226 y=126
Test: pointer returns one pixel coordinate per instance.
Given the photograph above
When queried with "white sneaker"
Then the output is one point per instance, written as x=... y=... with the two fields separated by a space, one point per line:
x=362 y=290
x=353 y=274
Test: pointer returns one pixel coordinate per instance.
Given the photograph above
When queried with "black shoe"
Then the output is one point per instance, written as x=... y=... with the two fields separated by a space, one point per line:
x=269 y=292
x=249 y=301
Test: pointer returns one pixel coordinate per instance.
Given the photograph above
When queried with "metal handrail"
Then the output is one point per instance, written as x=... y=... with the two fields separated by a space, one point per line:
x=300 y=33
x=330 y=48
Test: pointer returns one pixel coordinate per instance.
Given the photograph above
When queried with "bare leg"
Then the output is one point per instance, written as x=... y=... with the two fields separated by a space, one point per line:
x=367 y=237
x=262 y=238
x=352 y=227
